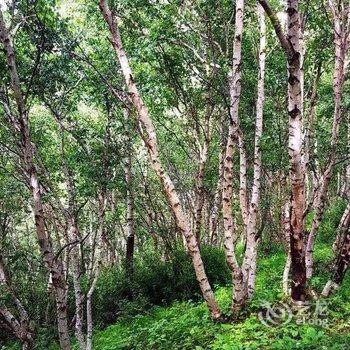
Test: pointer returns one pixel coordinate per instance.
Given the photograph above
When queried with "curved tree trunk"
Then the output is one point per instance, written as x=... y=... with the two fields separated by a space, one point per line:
x=203 y=156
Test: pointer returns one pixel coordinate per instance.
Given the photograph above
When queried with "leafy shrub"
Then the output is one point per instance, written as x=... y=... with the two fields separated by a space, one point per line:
x=154 y=282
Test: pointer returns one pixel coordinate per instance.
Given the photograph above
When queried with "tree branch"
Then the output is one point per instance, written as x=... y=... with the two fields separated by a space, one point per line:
x=286 y=45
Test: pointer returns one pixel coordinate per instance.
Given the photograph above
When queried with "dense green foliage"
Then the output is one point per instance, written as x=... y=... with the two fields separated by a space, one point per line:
x=155 y=282
x=186 y=325
x=85 y=133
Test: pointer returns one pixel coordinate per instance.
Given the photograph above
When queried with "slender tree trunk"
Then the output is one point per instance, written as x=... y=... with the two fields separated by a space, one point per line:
x=343 y=255
x=215 y=211
x=286 y=224
x=150 y=140
x=291 y=44
x=199 y=195
x=249 y=264
x=19 y=327
x=74 y=252
x=341 y=46
x=203 y=155
x=130 y=226
x=297 y=170
x=243 y=191
x=239 y=293
x=89 y=320
x=53 y=263
x=310 y=140
x=96 y=267
x=78 y=292
x=346 y=191
x=311 y=118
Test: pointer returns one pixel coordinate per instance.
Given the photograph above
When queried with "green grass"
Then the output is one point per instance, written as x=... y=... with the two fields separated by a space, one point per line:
x=186 y=325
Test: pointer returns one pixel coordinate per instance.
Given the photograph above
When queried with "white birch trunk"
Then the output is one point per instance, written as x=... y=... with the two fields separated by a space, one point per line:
x=239 y=293
x=96 y=265
x=341 y=41
x=292 y=46
x=21 y=125
x=214 y=216
x=249 y=264
x=130 y=225
x=286 y=224
x=20 y=326
x=150 y=140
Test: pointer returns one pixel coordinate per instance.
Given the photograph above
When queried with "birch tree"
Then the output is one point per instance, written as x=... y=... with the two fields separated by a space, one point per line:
x=342 y=250
x=239 y=295
x=341 y=26
x=20 y=123
x=243 y=277
x=130 y=225
x=149 y=138
x=19 y=326
x=290 y=43
x=249 y=264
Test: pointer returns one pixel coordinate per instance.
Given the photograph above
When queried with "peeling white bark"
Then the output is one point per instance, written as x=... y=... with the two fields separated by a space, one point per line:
x=239 y=293
x=293 y=49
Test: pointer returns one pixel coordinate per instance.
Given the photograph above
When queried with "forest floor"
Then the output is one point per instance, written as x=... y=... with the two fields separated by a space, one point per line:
x=325 y=324
x=266 y=323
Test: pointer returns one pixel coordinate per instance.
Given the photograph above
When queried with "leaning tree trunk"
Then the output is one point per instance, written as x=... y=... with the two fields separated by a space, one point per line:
x=53 y=263
x=239 y=294
x=15 y=327
x=150 y=140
